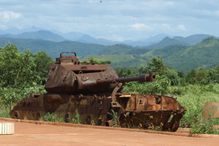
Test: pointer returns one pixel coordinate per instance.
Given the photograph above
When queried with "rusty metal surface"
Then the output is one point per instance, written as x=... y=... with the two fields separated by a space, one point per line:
x=94 y=93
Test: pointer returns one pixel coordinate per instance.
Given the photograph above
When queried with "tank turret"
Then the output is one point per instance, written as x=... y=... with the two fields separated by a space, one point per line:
x=68 y=75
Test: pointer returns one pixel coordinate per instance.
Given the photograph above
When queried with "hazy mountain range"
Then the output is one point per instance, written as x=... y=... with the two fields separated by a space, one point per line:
x=84 y=38
x=183 y=53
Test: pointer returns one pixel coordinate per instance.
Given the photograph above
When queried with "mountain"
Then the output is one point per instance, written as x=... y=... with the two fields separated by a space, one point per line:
x=54 y=48
x=41 y=35
x=159 y=40
x=182 y=57
x=85 y=38
x=176 y=51
x=192 y=39
x=72 y=36
x=203 y=54
x=92 y=40
x=145 y=42
x=180 y=41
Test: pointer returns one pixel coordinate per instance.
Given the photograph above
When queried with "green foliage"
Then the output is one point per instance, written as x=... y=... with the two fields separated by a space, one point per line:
x=180 y=56
x=193 y=99
x=22 y=68
x=21 y=74
x=10 y=96
x=203 y=76
x=115 y=118
x=204 y=127
x=42 y=62
x=52 y=117
x=76 y=118
x=158 y=87
x=4 y=112
x=155 y=65
x=93 y=60
x=126 y=72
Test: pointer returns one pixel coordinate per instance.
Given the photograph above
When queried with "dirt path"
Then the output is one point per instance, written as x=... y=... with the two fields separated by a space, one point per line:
x=28 y=134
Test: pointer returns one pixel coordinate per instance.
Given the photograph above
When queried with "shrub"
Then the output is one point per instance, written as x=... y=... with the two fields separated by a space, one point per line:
x=204 y=127
x=76 y=119
x=52 y=117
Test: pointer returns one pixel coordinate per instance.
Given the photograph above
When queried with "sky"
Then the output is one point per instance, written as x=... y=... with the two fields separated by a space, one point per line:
x=112 y=19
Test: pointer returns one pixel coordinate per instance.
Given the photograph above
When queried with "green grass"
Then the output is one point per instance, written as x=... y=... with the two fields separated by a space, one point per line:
x=51 y=117
x=193 y=99
x=4 y=112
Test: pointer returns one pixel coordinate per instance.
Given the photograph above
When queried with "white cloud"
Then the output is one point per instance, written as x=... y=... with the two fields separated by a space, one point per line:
x=181 y=27
x=166 y=27
x=140 y=26
x=9 y=15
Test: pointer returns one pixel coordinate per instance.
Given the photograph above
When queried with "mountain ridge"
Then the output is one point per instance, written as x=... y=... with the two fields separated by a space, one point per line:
x=85 y=38
x=176 y=54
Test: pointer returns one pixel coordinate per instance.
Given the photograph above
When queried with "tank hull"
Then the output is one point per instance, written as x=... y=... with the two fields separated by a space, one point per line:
x=129 y=110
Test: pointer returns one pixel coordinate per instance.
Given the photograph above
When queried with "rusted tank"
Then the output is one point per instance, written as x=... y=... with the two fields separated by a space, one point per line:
x=93 y=91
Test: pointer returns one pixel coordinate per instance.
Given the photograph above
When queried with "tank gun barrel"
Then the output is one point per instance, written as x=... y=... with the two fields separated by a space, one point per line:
x=141 y=79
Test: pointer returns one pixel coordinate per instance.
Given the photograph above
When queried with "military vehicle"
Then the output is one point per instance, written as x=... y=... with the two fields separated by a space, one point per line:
x=93 y=91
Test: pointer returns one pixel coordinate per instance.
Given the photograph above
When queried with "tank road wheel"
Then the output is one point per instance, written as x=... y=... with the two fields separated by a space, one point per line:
x=16 y=115
x=125 y=120
x=173 y=124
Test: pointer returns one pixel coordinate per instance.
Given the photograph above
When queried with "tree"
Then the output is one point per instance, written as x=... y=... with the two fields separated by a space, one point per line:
x=155 y=65
x=21 y=68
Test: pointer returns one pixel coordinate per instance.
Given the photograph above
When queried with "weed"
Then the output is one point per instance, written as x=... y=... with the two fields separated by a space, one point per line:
x=52 y=117
x=76 y=119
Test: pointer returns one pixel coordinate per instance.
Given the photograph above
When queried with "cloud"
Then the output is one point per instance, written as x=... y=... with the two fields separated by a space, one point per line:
x=181 y=27
x=140 y=26
x=9 y=15
x=113 y=19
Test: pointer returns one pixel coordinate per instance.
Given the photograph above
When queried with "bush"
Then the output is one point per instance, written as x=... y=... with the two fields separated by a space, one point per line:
x=204 y=127
x=10 y=96
x=193 y=99
x=52 y=117
x=4 y=112
x=76 y=119
x=160 y=86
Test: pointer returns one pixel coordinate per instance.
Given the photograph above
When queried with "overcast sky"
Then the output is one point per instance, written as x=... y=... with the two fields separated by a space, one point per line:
x=113 y=19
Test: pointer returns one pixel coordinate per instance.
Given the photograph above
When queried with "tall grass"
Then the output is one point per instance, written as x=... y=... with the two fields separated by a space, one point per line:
x=193 y=98
x=4 y=112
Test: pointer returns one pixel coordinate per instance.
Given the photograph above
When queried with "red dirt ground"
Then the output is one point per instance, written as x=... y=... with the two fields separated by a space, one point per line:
x=28 y=134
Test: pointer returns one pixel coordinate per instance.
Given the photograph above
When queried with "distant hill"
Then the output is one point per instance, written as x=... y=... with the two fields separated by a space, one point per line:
x=192 y=39
x=41 y=35
x=92 y=40
x=159 y=40
x=54 y=48
x=179 y=56
x=180 y=53
x=203 y=54
x=178 y=40
x=145 y=42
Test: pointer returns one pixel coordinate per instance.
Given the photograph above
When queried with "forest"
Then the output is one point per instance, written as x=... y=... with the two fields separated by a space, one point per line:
x=24 y=72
